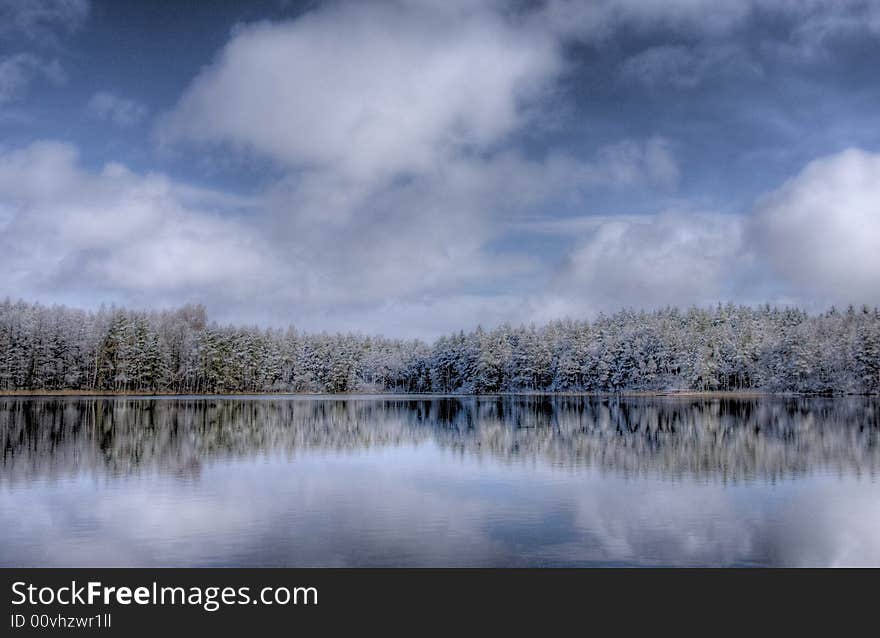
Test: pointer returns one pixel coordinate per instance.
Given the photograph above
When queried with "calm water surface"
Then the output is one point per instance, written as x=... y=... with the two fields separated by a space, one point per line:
x=416 y=481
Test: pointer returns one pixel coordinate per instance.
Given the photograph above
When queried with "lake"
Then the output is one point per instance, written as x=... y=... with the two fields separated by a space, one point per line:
x=439 y=481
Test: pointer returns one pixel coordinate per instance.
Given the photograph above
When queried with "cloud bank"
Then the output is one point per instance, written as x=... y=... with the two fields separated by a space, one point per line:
x=421 y=177
x=114 y=232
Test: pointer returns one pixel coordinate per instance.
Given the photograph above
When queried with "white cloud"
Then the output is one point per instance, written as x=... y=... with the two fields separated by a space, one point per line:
x=814 y=241
x=600 y=19
x=392 y=121
x=422 y=242
x=631 y=163
x=707 y=34
x=686 y=67
x=369 y=90
x=708 y=19
x=644 y=261
x=18 y=71
x=396 y=128
x=820 y=231
x=39 y=18
x=135 y=238
x=115 y=109
x=412 y=258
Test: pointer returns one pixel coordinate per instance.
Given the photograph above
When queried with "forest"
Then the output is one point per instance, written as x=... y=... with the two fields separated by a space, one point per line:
x=179 y=351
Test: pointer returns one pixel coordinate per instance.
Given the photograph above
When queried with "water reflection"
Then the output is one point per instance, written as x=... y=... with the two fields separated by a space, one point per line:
x=509 y=481
x=720 y=439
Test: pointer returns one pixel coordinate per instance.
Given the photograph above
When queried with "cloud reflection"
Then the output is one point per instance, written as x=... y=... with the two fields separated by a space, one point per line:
x=439 y=482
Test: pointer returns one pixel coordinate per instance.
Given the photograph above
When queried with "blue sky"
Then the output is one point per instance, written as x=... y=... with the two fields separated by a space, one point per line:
x=413 y=167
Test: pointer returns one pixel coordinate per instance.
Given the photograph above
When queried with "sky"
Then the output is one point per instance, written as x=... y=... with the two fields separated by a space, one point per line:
x=414 y=167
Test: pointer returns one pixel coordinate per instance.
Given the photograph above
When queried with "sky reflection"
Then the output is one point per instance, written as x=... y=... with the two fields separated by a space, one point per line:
x=417 y=488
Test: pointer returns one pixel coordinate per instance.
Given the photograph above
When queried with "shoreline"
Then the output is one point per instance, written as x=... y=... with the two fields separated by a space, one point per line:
x=712 y=394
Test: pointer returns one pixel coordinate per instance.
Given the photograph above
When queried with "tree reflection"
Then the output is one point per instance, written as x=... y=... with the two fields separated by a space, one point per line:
x=716 y=439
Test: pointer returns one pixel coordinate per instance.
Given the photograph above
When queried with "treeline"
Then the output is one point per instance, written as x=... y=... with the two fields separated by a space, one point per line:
x=179 y=351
